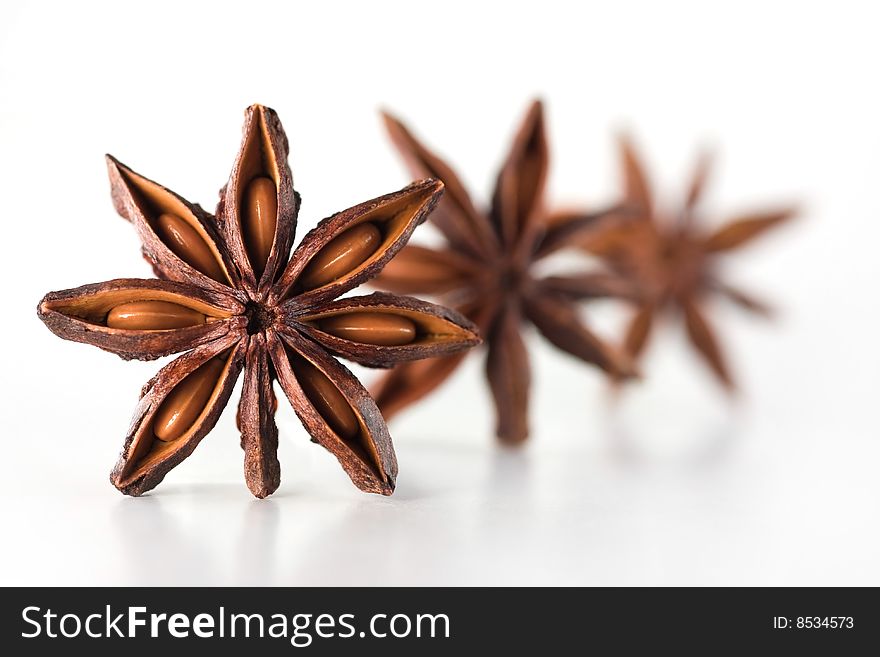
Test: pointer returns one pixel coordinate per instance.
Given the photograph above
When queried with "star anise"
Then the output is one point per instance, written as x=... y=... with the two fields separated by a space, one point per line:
x=674 y=260
x=485 y=270
x=230 y=295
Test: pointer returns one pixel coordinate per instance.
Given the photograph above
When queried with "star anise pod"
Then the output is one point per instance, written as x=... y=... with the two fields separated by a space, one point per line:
x=674 y=260
x=232 y=297
x=485 y=270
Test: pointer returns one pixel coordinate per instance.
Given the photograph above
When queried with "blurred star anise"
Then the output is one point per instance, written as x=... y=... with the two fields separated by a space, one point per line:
x=232 y=297
x=485 y=271
x=673 y=260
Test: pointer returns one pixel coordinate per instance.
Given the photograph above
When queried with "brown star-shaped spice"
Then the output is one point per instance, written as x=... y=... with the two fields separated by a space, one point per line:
x=485 y=270
x=673 y=260
x=231 y=296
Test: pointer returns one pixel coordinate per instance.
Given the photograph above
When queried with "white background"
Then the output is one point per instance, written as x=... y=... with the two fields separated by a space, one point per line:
x=672 y=485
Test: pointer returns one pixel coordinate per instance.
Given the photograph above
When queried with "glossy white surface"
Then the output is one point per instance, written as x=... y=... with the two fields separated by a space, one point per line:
x=670 y=485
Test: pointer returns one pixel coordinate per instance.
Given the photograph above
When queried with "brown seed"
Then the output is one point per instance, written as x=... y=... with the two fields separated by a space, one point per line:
x=341 y=255
x=327 y=400
x=383 y=329
x=260 y=216
x=188 y=245
x=152 y=316
x=186 y=402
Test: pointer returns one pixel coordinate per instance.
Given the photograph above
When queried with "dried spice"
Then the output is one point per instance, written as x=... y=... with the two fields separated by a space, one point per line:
x=484 y=270
x=231 y=296
x=674 y=260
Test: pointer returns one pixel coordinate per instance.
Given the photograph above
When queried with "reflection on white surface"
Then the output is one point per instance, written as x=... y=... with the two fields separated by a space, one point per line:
x=475 y=515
